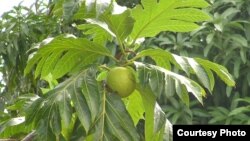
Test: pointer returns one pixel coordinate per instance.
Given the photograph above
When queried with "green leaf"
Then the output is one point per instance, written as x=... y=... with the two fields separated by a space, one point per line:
x=239 y=110
x=13 y=127
x=11 y=122
x=100 y=114
x=169 y=89
x=120 y=24
x=236 y=69
x=168 y=133
x=182 y=92
x=190 y=85
x=85 y=96
x=218 y=69
x=93 y=9
x=188 y=65
x=161 y=57
x=156 y=80
x=162 y=62
x=69 y=9
x=65 y=110
x=63 y=54
x=183 y=63
x=50 y=63
x=156 y=127
x=159 y=123
x=149 y=101
x=201 y=73
x=239 y=39
x=243 y=55
x=114 y=122
x=57 y=105
x=155 y=16
x=134 y=106
x=98 y=33
x=211 y=78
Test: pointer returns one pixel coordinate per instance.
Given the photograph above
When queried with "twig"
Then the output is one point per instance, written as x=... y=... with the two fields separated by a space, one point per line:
x=29 y=137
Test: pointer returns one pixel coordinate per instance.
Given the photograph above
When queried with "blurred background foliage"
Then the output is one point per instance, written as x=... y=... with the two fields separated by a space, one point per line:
x=224 y=40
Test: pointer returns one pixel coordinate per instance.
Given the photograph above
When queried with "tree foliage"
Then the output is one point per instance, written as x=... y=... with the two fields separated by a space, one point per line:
x=77 y=104
x=223 y=40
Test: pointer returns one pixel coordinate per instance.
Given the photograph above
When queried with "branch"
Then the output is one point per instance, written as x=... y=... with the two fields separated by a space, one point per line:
x=29 y=137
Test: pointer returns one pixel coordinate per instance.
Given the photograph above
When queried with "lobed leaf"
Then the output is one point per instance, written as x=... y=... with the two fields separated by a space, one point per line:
x=98 y=33
x=102 y=116
x=135 y=106
x=190 y=85
x=199 y=67
x=155 y=16
x=218 y=69
x=62 y=54
x=120 y=24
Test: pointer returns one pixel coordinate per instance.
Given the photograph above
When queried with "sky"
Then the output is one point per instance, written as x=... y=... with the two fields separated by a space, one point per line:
x=6 y=5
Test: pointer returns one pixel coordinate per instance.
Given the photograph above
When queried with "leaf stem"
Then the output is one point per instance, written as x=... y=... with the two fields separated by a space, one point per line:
x=104 y=67
x=122 y=48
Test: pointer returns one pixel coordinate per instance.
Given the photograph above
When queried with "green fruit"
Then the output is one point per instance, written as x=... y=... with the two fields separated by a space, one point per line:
x=121 y=80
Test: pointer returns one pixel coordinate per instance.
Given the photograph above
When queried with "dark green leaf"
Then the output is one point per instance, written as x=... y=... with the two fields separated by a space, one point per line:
x=190 y=85
x=93 y=9
x=114 y=122
x=201 y=74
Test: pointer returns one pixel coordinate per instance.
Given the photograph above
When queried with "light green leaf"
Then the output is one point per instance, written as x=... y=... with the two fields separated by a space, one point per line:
x=218 y=69
x=63 y=54
x=156 y=128
x=11 y=122
x=164 y=58
x=50 y=63
x=135 y=106
x=120 y=24
x=155 y=16
x=102 y=75
x=149 y=101
x=40 y=65
x=98 y=33
x=162 y=62
x=13 y=127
